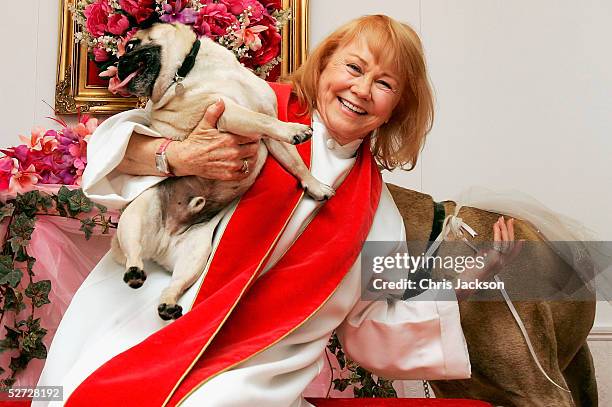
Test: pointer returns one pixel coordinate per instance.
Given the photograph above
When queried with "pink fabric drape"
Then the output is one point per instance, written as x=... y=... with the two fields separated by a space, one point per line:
x=65 y=257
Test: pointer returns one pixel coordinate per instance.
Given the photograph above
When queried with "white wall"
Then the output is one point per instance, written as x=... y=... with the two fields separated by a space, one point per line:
x=524 y=101
x=28 y=71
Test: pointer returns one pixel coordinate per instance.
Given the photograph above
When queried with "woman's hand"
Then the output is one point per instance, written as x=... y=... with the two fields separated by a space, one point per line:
x=212 y=154
x=504 y=250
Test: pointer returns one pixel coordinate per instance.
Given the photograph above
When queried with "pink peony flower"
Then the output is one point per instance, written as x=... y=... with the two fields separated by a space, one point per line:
x=118 y=24
x=213 y=20
x=141 y=10
x=272 y=5
x=237 y=7
x=270 y=44
x=97 y=17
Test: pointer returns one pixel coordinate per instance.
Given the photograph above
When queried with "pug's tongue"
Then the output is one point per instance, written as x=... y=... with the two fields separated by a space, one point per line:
x=119 y=87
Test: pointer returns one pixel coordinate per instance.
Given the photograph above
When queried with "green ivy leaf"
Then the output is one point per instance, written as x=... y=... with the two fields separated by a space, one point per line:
x=39 y=292
x=13 y=301
x=27 y=203
x=101 y=208
x=341 y=359
x=12 y=278
x=34 y=326
x=87 y=226
x=11 y=339
x=6 y=264
x=61 y=209
x=45 y=201
x=6 y=210
x=79 y=203
x=22 y=226
x=39 y=351
x=30 y=265
x=63 y=194
x=21 y=254
x=8 y=382
x=28 y=342
x=19 y=363
x=341 y=384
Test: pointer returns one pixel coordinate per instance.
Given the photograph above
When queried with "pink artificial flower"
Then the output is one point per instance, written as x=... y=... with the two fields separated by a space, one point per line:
x=272 y=5
x=90 y=124
x=118 y=24
x=49 y=177
x=213 y=20
x=100 y=55
x=86 y=126
x=270 y=44
x=97 y=17
x=7 y=164
x=40 y=141
x=248 y=36
x=237 y=7
x=177 y=12
x=141 y=10
x=22 y=180
x=79 y=152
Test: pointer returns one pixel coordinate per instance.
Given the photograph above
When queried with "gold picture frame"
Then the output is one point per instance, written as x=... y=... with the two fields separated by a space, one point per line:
x=73 y=93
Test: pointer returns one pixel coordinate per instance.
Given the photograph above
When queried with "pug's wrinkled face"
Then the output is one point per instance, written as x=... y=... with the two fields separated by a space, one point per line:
x=143 y=60
x=152 y=58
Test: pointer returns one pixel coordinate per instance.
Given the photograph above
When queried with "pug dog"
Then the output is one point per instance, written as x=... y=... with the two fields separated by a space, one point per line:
x=173 y=222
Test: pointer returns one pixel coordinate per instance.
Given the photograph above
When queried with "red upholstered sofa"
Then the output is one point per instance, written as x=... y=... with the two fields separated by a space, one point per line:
x=350 y=402
x=396 y=403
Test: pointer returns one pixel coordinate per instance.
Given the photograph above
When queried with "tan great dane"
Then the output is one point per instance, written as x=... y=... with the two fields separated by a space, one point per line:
x=503 y=371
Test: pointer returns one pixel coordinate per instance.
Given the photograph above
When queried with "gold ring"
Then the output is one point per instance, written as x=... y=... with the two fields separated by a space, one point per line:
x=245 y=167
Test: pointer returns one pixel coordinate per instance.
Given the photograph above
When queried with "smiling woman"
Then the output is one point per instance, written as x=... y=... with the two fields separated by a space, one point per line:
x=356 y=96
x=369 y=76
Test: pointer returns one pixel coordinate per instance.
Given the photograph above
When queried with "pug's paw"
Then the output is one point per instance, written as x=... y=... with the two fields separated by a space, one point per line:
x=134 y=277
x=293 y=133
x=169 y=311
x=318 y=190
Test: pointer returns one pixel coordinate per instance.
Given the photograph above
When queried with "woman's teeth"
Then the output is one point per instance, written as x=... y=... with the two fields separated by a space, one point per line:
x=351 y=106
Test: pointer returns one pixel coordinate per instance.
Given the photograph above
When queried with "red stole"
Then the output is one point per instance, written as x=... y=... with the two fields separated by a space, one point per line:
x=237 y=315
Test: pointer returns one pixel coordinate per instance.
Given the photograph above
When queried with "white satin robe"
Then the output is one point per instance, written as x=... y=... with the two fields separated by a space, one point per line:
x=395 y=339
